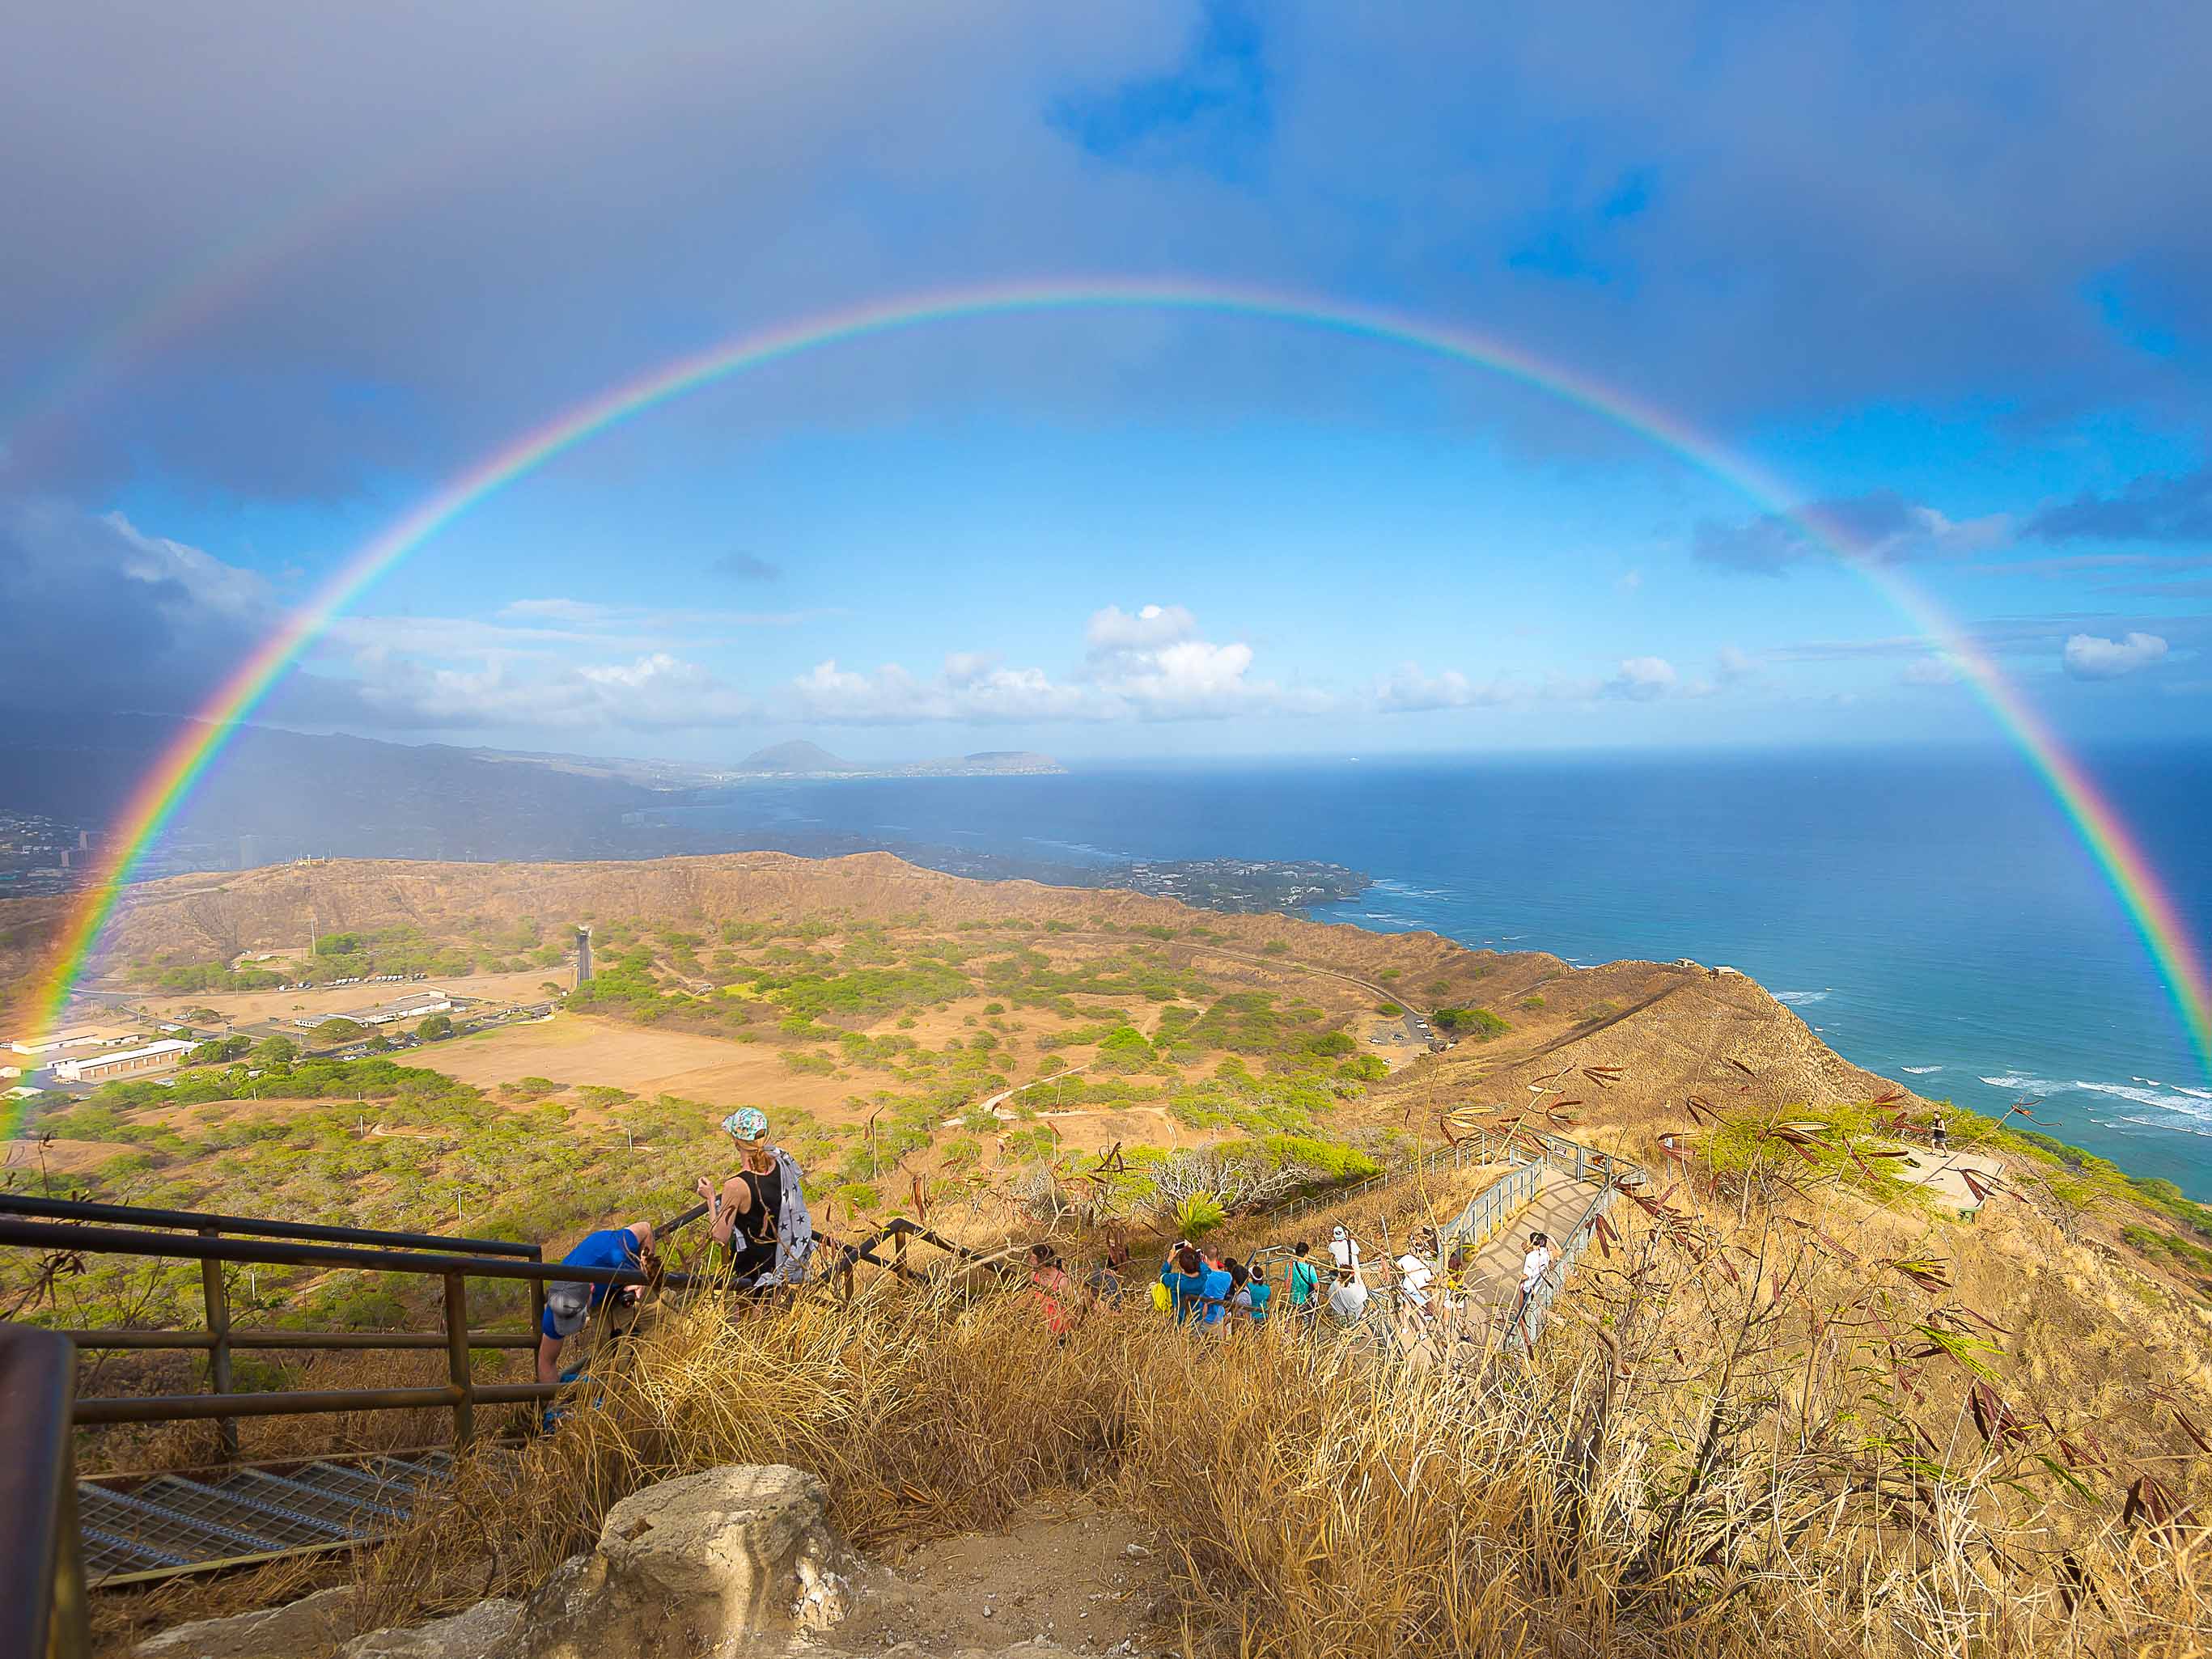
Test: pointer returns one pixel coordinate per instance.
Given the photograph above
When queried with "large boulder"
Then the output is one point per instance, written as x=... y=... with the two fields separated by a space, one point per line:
x=694 y=1566
x=310 y=1624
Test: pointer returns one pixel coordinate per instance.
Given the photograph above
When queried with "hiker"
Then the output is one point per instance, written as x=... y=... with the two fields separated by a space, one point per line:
x=760 y=1215
x=569 y=1301
x=1258 y=1293
x=1049 y=1283
x=1937 y=1136
x=1220 y=1286
x=1305 y=1283
x=1456 y=1297
x=1183 y=1274
x=1344 y=1249
x=1536 y=1264
x=1347 y=1297
x=1240 y=1291
x=1102 y=1284
x=1414 y=1278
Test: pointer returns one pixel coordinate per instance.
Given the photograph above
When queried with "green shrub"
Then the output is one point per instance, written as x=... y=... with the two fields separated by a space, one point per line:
x=1478 y=1024
x=1197 y=1214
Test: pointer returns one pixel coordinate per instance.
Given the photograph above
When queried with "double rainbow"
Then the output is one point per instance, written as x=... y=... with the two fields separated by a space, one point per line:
x=2150 y=907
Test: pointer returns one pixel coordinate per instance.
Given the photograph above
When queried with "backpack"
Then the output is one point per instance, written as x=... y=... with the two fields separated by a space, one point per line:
x=1161 y=1300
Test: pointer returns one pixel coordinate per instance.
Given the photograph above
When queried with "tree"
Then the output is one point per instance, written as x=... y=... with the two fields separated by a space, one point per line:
x=436 y=1028
x=340 y=1030
x=277 y=1051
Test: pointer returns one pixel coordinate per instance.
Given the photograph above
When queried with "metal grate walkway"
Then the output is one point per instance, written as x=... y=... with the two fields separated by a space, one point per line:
x=171 y=1523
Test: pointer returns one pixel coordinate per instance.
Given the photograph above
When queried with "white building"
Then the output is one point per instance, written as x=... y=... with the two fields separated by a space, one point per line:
x=154 y=1057
x=75 y=1036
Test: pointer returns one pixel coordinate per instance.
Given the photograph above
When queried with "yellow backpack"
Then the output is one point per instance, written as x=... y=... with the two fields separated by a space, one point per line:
x=1161 y=1300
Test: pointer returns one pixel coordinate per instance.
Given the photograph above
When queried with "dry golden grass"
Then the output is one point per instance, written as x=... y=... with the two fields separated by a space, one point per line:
x=1698 y=1462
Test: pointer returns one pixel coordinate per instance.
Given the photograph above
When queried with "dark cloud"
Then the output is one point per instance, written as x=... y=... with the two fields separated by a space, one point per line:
x=1882 y=524
x=288 y=251
x=2159 y=508
x=102 y=617
x=747 y=567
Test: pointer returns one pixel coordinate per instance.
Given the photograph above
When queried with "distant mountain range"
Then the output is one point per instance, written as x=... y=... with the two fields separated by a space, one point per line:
x=276 y=795
x=801 y=759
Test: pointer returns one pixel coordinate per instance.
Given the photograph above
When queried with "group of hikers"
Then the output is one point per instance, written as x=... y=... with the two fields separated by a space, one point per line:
x=1212 y=1291
x=764 y=1237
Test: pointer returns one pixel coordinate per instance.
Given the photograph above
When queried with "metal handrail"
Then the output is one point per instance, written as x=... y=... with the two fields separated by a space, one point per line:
x=461 y=1393
x=42 y=1600
x=63 y=1209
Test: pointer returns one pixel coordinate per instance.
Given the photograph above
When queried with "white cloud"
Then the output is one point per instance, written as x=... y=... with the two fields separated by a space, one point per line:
x=1409 y=691
x=1114 y=630
x=1148 y=664
x=1643 y=679
x=655 y=691
x=2088 y=657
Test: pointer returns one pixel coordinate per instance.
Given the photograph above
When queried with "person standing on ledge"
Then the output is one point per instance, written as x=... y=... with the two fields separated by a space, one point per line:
x=760 y=1215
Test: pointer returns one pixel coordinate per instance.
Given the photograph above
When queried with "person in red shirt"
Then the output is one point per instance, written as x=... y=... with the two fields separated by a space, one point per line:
x=1049 y=1283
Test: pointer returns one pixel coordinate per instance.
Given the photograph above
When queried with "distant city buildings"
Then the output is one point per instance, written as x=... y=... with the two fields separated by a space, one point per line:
x=415 y=1005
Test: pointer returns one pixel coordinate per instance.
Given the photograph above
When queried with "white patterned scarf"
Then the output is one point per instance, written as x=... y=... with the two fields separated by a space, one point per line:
x=794 y=1228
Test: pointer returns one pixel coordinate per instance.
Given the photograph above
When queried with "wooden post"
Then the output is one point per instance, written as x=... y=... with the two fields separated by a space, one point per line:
x=218 y=1323
x=457 y=1361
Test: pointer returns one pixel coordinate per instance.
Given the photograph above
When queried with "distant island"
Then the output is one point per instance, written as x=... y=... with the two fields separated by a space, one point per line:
x=801 y=759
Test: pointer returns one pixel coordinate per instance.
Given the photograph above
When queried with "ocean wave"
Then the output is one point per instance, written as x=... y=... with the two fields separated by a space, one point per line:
x=2170 y=1126
x=1795 y=996
x=2182 y=1102
x=2030 y=1086
x=1921 y=1070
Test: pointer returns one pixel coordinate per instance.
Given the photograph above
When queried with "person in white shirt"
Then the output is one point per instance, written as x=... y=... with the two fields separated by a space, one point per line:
x=1536 y=1264
x=1347 y=1298
x=1414 y=1276
x=1344 y=1250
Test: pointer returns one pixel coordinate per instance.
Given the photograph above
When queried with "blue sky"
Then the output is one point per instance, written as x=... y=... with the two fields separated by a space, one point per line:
x=1939 y=272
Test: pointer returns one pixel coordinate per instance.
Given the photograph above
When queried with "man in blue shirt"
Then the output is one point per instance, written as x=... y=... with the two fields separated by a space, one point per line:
x=569 y=1301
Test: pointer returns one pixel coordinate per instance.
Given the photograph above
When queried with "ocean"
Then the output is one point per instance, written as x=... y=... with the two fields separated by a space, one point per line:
x=1929 y=914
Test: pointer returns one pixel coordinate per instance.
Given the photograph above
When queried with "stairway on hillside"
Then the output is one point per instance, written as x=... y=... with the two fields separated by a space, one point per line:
x=151 y=1527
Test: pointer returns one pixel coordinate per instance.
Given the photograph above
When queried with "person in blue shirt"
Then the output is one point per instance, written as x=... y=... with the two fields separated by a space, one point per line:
x=1184 y=1274
x=1220 y=1286
x=1258 y=1292
x=569 y=1301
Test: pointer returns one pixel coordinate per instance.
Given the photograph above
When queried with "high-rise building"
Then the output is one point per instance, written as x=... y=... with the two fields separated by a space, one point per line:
x=583 y=956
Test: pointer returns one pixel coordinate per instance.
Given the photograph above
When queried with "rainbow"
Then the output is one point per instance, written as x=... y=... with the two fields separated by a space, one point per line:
x=2150 y=907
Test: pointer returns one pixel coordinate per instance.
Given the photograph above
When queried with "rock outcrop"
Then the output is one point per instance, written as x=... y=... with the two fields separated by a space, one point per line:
x=470 y=1635
x=309 y=1625
x=692 y=1566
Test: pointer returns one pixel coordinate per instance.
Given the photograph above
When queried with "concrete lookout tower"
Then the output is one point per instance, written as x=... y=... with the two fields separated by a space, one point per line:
x=583 y=957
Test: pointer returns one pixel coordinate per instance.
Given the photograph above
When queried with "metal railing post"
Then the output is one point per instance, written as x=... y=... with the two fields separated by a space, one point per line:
x=457 y=1360
x=69 y=1622
x=218 y=1324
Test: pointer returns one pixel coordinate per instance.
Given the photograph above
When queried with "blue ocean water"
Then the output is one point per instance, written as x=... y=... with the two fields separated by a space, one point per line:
x=1930 y=914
